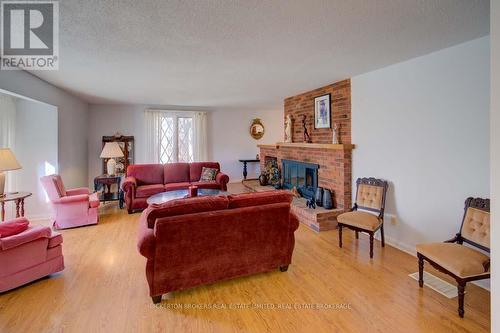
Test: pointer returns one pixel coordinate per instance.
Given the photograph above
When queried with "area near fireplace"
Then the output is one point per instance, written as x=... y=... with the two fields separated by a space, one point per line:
x=333 y=161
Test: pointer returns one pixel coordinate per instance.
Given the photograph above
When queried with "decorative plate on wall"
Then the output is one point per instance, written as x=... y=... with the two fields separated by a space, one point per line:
x=257 y=129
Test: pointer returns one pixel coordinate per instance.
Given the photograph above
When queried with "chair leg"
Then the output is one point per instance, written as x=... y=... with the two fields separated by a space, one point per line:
x=371 y=245
x=357 y=235
x=420 y=270
x=461 y=296
x=382 y=234
x=340 y=235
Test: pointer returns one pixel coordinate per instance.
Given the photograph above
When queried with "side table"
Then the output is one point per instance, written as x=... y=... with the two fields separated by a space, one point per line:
x=245 y=173
x=105 y=182
x=18 y=198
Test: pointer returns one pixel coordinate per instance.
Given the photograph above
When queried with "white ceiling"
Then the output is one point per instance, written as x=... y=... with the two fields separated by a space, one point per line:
x=248 y=53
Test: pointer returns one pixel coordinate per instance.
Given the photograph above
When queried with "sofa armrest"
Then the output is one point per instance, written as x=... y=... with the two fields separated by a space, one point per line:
x=129 y=184
x=73 y=199
x=294 y=222
x=222 y=179
x=29 y=235
x=76 y=191
x=146 y=238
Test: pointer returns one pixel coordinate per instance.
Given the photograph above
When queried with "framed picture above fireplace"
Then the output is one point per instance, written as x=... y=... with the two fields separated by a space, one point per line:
x=322 y=114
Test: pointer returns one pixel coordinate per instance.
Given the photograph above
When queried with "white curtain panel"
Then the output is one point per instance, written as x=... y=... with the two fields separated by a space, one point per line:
x=8 y=132
x=200 y=136
x=153 y=130
x=152 y=136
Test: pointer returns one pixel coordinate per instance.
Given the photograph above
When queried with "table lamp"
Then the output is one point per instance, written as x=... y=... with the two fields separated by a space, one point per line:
x=110 y=151
x=7 y=162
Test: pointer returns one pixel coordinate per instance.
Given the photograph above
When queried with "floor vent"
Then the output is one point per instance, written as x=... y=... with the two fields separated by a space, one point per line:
x=437 y=284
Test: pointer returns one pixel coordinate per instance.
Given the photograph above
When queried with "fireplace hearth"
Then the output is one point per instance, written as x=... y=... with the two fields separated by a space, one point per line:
x=302 y=175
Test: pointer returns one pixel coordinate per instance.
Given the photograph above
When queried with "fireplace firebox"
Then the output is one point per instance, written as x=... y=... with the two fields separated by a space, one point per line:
x=303 y=176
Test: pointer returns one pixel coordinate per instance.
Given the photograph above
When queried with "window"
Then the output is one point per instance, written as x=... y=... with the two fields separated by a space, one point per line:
x=176 y=139
x=175 y=136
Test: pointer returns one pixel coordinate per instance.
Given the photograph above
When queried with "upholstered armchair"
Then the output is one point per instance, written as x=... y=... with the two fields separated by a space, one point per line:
x=463 y=263
x=28 y=255
x=370 y=199
x=71 y=208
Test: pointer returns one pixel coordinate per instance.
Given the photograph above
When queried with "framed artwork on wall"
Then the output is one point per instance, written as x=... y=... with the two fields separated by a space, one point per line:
x=322 y=114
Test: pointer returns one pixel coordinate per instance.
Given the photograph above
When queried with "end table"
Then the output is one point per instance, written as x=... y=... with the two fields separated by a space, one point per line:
x=105 y=182
x=18 y=198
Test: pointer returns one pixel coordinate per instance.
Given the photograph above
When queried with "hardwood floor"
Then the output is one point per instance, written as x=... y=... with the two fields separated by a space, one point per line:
x=103 y=289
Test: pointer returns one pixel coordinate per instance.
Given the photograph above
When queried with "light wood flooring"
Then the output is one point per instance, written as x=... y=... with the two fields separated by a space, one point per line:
x=326 y=289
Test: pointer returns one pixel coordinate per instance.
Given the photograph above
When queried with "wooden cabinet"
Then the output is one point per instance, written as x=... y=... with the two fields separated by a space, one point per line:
x=126 y=143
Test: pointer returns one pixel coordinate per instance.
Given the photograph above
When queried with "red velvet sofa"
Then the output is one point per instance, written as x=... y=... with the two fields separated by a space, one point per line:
x=145 y=180
x=202 y=240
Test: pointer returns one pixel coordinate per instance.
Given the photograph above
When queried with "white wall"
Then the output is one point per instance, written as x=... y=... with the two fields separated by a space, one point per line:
x=228 y=134
x=72 y=119
x=36 y=150
x=495 y=164
x=230 y=140
x=424 y=126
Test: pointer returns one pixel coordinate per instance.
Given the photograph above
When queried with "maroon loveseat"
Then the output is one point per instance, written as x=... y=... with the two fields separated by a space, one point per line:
x=145 y=180
x=202 y=240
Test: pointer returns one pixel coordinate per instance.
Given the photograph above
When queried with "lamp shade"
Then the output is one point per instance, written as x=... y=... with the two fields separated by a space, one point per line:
x=111 y=150
x=8 y=160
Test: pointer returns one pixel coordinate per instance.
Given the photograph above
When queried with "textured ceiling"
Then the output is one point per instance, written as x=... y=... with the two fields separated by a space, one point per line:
x=244 y=54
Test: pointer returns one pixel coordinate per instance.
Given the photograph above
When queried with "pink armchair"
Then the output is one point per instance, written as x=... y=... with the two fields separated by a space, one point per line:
x=29 y=256
x=72 y=208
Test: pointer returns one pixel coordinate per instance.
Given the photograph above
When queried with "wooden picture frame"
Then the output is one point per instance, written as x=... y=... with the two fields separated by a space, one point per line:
x=322 y=112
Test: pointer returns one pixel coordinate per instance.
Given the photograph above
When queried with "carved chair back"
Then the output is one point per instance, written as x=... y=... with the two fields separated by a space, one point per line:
x=370 y=195
x=475 y=228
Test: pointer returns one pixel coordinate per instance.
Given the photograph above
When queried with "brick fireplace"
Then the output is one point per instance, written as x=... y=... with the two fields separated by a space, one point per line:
x=335 y=161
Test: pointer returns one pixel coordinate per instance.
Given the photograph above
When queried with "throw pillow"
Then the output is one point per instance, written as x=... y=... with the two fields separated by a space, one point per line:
x=208 y=174
x=13 y=227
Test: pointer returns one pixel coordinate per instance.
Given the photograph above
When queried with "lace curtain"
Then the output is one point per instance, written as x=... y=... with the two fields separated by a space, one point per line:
x=176 y=136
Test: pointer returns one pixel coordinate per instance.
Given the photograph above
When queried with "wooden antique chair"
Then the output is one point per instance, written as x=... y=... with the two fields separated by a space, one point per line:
x=462 y=262
x=370 y=197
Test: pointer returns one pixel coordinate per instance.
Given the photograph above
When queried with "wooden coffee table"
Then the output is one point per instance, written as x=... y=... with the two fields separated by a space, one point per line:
x=18 y=198
x=181 y=194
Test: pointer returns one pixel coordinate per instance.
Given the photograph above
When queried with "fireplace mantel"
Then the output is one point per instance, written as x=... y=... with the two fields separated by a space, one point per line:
x=308 y=145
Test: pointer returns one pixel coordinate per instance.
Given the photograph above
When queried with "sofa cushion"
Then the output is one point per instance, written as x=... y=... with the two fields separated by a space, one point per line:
x=184 y=206
x=259 y=198
x=58 y=183
x=13 y=227
x=145 y=191
x=146 y=174
x=176 y=186
x=212 y=185
x=176 y=173
x=196 y=167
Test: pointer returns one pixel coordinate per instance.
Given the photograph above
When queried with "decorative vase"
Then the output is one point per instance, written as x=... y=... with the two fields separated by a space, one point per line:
x=319 y=196
x=263 y=179
x=327 y=199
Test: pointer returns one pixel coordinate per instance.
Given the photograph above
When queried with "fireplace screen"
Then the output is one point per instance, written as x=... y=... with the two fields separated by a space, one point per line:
x=303 y=176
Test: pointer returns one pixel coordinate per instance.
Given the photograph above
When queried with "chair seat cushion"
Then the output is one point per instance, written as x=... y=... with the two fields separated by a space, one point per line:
x=176 y=186
x=458 y=259
x=363 y=220
x=145 y=191
x=94 y=200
